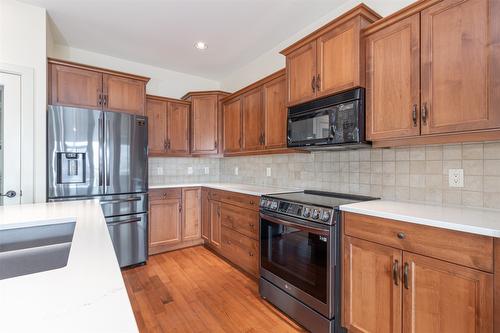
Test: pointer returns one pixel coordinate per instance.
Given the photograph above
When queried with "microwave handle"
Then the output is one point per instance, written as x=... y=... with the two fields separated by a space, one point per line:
x=314 y=230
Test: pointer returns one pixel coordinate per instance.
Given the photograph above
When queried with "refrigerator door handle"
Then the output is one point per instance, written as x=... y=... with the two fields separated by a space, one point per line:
x=101 y=150
x=107 y=202
x=106 y=147
x=134 y=220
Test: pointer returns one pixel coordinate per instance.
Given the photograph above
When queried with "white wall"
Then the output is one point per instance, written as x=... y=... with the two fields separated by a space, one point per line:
x=23 y=43
x=163 y=82
x=272 y=60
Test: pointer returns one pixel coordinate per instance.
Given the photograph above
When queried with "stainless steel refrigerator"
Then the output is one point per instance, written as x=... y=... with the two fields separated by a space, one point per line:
x=98 y=154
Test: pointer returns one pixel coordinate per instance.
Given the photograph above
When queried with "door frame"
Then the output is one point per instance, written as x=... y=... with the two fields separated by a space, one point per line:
x=27 y=129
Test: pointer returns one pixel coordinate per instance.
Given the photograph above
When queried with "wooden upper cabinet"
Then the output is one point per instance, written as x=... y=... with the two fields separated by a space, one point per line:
x=253 y=121
x=232 y=125
x=330 y=59
x=393 y=80
x=460 y=66
x=156 y=111
x=204 y=121
x=123 y=94
x=164 y=222
x=178 y=128
x=75 y=87
x=83 y=86
x=191 y=223
x=338 y=53
x=301 y=70
x=441 y=297
x=275 y=113
x=371 y=290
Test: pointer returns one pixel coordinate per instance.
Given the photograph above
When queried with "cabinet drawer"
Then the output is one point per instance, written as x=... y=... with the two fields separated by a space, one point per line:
x=166 y=193
x=238 y=199
x=241 y=220
x=462 y=248
x=240 y=250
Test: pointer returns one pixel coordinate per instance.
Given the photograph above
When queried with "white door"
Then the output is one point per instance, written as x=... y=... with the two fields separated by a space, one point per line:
x=10 y=139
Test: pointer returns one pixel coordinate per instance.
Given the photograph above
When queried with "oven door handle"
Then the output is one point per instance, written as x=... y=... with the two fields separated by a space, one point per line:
x=273 y=219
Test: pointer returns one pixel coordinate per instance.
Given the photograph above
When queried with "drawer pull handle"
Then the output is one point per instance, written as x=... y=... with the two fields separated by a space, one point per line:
x=401 y=235
x=252 y=202
x=395 y=272
x=250 y=254
x=251 y=225
x=228 y=242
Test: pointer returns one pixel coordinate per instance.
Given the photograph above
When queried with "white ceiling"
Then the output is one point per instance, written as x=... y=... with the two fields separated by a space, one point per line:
x=162 y=32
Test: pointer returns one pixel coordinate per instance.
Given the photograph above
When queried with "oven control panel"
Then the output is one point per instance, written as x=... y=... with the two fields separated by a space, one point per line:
x=306 y=212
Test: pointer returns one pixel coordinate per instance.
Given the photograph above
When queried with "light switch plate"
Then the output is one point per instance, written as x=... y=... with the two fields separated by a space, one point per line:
x=159 y=171
x=236 y=171
x=456 y=177
x=190 y=170
x=268 y=172
x=207 y=170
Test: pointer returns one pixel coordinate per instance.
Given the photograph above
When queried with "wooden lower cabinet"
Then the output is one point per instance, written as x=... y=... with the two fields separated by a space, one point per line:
x=174 y=219
x=371 y=298
x=234 y=228
x=205 y=215
x=389 y=289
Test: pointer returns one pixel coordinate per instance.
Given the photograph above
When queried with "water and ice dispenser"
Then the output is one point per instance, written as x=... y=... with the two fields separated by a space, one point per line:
x=70 y=168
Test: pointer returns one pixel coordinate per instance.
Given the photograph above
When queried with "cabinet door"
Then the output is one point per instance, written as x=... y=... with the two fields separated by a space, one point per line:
x=75 y=87
x=178 y=128
x=275 y=113
x=338 y=59
x=164 y=222
x=232 y=126
x=253 y=131
x=215 y=225
x=440 y=297
x=460 y=66
x=204 y=124
x=371 y=287
x=205 y=215
x=124 y=94
x=301 y=74
x=157 y=126
x=191 y=226
x=393 y=81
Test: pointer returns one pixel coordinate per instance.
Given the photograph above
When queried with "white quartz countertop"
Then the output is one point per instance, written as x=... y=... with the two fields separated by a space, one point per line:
x=87 y=295
x=476 y=221
x=257 y=190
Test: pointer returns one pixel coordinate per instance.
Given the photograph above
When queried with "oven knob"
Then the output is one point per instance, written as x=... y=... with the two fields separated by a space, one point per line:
x=263 y=203
x=274 y=205
x=315 y=214
x=325 y=217
x=307 y=212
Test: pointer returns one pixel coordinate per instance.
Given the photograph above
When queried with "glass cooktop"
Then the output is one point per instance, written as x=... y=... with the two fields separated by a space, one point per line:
x=320 y=198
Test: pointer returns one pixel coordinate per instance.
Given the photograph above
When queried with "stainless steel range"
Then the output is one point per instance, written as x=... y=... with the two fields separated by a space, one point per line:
x=300 y=255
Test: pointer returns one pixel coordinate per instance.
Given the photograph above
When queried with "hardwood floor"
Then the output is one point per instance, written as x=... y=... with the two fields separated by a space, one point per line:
x=193 y=290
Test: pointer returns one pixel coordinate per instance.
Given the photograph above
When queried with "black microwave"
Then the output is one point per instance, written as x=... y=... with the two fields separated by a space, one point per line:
x=333 y=122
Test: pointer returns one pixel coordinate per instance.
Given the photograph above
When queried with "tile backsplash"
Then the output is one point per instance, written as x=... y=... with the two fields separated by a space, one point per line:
x=417 y=173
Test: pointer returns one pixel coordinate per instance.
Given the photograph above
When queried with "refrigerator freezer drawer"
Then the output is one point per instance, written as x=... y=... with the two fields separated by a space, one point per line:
x=124 y=204
x=129 y=235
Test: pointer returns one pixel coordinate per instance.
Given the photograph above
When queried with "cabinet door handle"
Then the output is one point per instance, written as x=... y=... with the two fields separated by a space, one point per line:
x=424 y=113
x=165 y=145
x=99 y=99
x=313 y=84
x=414 y=115
x=318 y=82
x=405 y=275
x=250 y=254
x=105 y=99
x=251 y=225
x=215 y=144
x=395 y=272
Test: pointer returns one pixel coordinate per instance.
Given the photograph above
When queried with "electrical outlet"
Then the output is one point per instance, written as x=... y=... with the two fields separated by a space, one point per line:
x=236 y=171
x=159 y=171
x=207 y=170
x=268 y=172
x=456 y=177
x=190 y=170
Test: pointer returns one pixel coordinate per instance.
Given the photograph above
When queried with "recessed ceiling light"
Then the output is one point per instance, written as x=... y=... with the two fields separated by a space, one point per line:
x=200 y=45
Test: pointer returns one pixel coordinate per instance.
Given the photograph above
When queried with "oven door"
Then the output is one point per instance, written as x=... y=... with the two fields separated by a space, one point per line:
x=299 y=259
